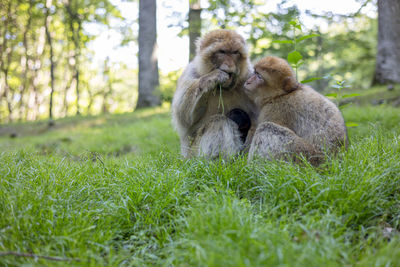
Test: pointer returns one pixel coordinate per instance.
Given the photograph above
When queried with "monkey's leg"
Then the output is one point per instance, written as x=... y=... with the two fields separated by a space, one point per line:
x=217 y=136
x=273 y=141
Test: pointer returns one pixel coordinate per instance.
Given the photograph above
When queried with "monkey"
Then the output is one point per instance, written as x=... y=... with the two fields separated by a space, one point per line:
x=210 y=110
x=293 y=118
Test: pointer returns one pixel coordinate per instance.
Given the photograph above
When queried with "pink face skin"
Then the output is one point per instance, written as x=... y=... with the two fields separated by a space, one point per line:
x=227 y=60
x=254 y=84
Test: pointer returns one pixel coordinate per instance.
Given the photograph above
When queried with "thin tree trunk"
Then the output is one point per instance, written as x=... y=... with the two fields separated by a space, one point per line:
x=148 y=63
x=194 y=26
x=37 y=65
x=7 y=95
x=66 y=89
x=5 y=61
x=388 y=55
x=319 y=56
x=74 y=18
x=48 y=19
x=25 y=64
x=3 y=44
x=77 y=55
x=68 y=78
x=108 y=89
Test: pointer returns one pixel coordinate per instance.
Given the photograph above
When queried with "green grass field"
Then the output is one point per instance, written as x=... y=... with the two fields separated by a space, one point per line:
x=113 y=190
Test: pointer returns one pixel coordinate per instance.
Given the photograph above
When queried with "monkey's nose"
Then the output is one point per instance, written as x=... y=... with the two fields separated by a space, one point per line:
x=227 y=69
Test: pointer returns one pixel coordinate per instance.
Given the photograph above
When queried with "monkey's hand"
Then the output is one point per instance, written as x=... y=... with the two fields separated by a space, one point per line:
x=193 y=103
x=211 y=80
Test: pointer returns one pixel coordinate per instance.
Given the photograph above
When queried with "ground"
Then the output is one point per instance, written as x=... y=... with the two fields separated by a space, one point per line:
x=113 y=190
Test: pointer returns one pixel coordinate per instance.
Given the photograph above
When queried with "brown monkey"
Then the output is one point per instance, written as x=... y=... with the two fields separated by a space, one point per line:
x=210 y=109
x=294 y=118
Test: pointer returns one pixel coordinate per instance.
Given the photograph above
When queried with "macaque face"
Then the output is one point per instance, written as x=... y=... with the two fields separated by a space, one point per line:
x=257 y=84
x=255 y=81
x=272 y=77
x=228 y=61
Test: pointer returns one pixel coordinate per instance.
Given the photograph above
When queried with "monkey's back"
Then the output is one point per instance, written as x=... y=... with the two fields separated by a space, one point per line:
x=311 y=116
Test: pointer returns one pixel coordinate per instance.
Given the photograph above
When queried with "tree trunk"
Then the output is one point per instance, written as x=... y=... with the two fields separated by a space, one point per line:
x=108 y=90
x=148 y=64
x=48 y=19
x=194 y=26
x=68 y=78
x=388 y=55
x=6 y=53
x=36 y=65
x=25 y=79
x=77 y=54
x=74 y=19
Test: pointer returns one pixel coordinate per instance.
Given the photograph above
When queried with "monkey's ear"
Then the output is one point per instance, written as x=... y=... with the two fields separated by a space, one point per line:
x=290 y=84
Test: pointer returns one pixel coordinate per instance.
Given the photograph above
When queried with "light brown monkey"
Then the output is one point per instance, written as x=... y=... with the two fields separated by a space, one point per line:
x=210 y=110
x=293 y=119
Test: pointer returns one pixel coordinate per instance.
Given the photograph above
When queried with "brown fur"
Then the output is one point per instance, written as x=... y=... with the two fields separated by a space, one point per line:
x=308 y=123
x=221 y=63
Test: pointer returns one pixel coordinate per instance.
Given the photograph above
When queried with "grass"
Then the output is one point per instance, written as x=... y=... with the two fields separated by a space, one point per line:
x=113 y=190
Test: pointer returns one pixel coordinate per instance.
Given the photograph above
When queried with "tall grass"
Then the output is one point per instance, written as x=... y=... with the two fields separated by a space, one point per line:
x=113 y=190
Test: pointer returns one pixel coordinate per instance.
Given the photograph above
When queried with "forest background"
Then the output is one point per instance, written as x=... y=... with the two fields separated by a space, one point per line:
x=56 y=58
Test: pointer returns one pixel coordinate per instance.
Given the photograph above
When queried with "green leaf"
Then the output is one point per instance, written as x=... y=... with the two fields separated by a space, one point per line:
x=294 y=57
x=307 y=37
x=337 y=86
x=350 y=95
x=311 y=80
x=332 y=95
x=282 y=42
x=351 y=124
x=295 y=24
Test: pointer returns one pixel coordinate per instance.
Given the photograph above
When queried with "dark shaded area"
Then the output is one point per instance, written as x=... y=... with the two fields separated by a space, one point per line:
x=242 y=120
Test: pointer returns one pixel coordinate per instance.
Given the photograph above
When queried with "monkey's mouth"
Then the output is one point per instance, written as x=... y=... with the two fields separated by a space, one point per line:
x=247 y=88
x=230 y=82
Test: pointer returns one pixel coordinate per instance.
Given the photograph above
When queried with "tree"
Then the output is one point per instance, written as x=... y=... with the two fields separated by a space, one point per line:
x=109 y=85
x=387 y=68
x=148 y=64
x=75 y=20
x=6 y=55
x=194 y=26
x=48 y=19
x=44 y=55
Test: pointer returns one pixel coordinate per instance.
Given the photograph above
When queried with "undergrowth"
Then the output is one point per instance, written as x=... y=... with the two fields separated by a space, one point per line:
x=114 y=191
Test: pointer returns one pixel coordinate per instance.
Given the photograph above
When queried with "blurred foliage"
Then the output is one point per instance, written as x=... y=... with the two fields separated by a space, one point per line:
x=168 y=85
x=345 y=49
x=24 y=55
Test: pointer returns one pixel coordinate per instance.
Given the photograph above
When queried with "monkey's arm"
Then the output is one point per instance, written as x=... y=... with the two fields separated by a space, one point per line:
x=191 y=103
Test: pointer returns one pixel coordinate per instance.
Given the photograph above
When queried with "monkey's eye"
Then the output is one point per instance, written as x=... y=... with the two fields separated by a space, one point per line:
x=258 y=75
x=222 y=51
